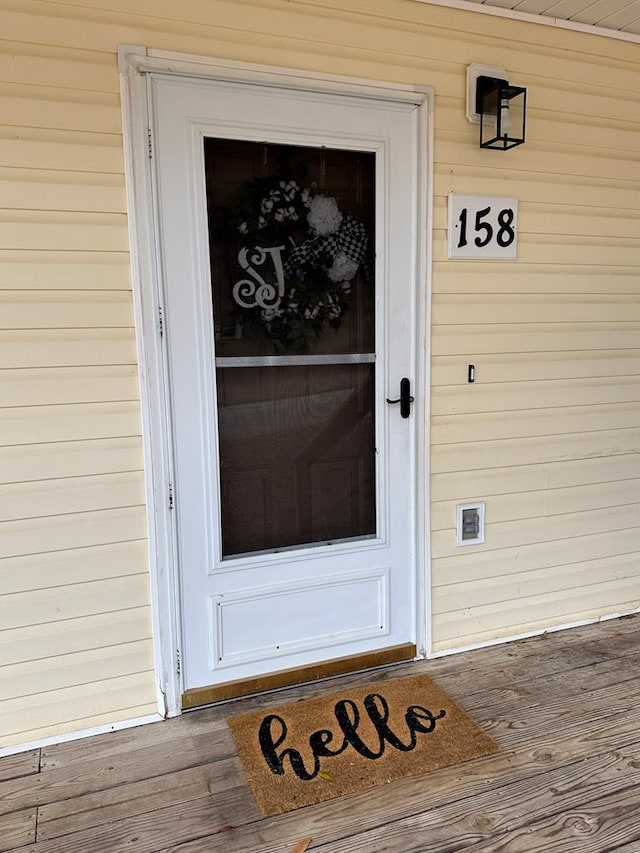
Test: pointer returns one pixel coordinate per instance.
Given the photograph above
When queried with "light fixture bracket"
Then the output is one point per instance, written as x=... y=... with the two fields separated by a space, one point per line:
x=486 y=84
x=474 y=71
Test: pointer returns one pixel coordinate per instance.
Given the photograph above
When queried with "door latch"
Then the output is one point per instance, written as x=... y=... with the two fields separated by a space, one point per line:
x=405 y=399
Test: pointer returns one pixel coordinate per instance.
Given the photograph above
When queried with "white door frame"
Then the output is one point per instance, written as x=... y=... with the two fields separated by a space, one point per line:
x=133 y=62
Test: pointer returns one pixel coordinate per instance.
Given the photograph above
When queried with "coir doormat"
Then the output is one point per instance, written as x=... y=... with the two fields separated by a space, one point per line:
x=316 y=749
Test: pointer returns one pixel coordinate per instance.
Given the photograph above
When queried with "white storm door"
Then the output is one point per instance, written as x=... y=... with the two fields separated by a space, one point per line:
x=288 y=326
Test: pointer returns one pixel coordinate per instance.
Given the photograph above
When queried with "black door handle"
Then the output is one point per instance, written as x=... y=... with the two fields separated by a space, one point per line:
x=405 y=399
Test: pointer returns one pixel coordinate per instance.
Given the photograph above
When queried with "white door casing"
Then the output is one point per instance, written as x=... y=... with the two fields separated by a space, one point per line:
x=376 y=581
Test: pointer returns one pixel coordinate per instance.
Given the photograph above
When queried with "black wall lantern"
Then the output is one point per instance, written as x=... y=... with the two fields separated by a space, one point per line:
x=502 y=109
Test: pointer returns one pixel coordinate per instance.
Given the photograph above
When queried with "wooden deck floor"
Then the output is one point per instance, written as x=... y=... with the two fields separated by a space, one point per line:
x=565 y=709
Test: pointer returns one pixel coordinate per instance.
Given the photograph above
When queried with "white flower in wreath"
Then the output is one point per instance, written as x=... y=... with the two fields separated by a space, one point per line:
x=324 y=217
x=268 y=314
x=342 y=269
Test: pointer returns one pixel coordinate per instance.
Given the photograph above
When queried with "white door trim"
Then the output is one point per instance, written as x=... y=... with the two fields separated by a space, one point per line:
x=133 y=62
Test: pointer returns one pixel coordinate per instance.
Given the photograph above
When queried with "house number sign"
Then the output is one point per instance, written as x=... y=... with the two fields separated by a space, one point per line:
x=483 y=227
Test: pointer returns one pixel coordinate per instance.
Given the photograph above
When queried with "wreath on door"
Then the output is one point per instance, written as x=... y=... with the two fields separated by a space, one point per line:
x=298 y=255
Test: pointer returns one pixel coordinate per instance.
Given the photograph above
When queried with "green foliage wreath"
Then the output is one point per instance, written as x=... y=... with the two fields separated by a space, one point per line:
x=299 y=254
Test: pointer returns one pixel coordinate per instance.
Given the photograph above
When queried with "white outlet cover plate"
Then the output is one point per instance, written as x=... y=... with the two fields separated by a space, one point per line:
x=479 y=540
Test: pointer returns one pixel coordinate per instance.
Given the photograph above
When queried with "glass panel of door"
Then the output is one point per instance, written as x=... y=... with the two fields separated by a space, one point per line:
x=291 y=233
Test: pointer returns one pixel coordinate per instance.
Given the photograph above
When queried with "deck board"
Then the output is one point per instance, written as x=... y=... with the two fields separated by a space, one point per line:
x=597 y=828
x=21 y=764
x=126 y=801
x=564 y=708
x=18 y=829
x=99 y=774
x=577 y=787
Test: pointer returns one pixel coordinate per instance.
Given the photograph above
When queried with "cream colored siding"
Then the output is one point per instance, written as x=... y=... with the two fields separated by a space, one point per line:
x=548 y=435
x=75 y=626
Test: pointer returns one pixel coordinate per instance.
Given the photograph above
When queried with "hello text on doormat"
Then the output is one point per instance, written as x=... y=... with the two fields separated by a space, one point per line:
x=316 y=749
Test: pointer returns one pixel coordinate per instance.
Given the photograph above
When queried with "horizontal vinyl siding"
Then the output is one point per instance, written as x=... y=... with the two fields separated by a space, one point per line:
x=75 y=623
x=548 y=436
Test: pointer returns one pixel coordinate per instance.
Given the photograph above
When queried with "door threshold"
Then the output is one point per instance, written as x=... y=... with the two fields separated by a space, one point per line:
x=199 y=696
